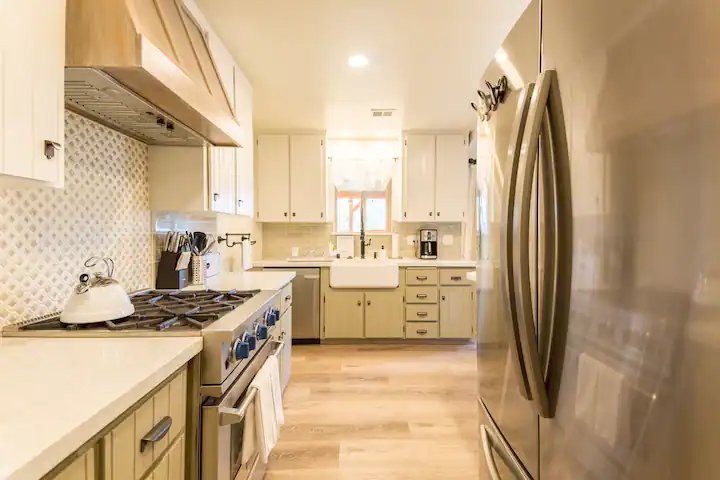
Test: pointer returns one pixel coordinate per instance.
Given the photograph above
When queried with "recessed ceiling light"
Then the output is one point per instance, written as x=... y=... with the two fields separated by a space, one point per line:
x=358 y=61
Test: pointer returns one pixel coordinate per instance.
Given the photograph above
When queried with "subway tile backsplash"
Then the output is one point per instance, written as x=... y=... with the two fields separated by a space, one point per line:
x=47 y=234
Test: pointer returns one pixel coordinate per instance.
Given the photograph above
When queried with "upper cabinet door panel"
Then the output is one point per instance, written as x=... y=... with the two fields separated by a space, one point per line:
x=451 y=186
x=245 y=181
x=31 y=98
x=419 y=185
x=225 y=64
x=307 y=178
x=273 y=178
x=222 y=180
x=181 y=47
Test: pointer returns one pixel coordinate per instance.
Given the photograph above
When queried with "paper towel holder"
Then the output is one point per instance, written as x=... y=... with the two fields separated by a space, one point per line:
x=232 y=243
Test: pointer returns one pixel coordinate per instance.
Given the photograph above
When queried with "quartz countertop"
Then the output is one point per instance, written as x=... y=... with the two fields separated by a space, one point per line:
x=247 y=281
x=60 y=392
x=402 y=262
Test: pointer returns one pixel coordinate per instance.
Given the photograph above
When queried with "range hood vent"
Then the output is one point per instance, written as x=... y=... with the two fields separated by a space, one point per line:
x=144 y=67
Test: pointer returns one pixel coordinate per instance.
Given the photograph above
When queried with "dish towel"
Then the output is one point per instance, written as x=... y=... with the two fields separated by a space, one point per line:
x=268 y=405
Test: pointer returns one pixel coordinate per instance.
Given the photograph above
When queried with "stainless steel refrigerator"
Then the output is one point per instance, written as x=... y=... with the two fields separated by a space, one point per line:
x=599 y=244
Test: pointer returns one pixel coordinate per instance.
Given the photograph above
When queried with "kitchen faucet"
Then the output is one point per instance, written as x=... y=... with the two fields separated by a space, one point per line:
x=363 y=244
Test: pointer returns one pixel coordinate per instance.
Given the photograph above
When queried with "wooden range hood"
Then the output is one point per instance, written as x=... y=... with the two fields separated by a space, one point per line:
x=159 y=53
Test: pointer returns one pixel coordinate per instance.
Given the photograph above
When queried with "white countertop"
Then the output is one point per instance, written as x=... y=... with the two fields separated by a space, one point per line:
x=402 y=262
x=57 y=393
x=247 y=281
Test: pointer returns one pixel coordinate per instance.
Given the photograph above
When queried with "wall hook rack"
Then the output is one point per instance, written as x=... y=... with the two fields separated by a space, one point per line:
x=232 y=243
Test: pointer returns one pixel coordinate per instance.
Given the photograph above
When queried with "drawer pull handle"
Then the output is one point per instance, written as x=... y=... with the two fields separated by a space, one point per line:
x=422 y=332
x=421 y=295
x=456 y=279
x=422 y=314
x=157 y=433
x=421 y=277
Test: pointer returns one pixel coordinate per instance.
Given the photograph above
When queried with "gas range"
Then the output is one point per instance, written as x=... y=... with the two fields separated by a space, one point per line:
x=234 y=325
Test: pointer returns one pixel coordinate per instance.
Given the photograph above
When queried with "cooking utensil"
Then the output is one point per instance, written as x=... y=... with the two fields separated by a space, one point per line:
x=97 y=297
x=208 y=246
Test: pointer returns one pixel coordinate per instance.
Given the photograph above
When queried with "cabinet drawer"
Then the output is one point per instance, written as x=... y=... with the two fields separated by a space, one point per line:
x=422 y=313
x=285 y=298
x=454 y=277
x=145 y=434
x=421 y=276
x=421 y=330
x=421 y=295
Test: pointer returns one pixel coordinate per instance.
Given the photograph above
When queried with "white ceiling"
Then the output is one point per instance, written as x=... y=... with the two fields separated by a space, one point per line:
x=426 y=59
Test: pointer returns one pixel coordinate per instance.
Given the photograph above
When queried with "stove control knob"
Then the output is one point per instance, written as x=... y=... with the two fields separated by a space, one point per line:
x=261 y=331
x=240 y=350
x=271 y=317
x=251 y=340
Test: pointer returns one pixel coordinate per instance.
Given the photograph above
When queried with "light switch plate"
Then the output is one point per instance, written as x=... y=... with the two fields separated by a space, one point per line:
x=448 y=240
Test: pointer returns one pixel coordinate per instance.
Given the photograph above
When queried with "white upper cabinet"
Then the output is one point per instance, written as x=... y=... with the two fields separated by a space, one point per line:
x=419 y=183
x=435 y=178
x=307 y=178
x=32 y=67
x=273 y=178
x=223 y=196
x=244 y=157
x=291 y=180
x=225 y=65
x=452 y=177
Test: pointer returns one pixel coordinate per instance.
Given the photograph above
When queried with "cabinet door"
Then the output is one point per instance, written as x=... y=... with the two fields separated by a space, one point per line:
x=82 y=468
x=273 y=178
x=222 y=180
x=456 y=312
x=244 y=157
x=32 y=61
x=225 y=65
x=344 y=312
x=384 y=315
x=172 y=465
x=451 y=187
x=419 y=183
x=307 y=178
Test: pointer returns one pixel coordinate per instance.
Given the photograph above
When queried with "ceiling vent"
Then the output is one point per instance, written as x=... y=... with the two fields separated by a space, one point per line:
x=380 y=112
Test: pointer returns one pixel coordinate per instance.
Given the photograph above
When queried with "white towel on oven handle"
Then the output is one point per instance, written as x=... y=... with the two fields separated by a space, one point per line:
x=268 y=405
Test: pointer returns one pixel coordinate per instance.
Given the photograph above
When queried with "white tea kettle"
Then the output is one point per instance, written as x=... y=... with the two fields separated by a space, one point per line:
x=98 y=297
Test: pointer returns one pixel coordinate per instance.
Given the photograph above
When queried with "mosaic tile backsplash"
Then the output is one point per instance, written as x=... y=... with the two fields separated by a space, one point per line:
x=47 y=234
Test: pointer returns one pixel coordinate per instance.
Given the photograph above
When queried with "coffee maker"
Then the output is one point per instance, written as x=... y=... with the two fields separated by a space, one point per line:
x=428 y=244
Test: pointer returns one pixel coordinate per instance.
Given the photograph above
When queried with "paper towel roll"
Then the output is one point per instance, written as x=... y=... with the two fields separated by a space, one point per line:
x=247 y=261
x=395 y=248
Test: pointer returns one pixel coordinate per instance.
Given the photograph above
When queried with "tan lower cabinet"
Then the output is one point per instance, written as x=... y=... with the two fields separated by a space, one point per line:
x=384 y=315
x=344 y=312
x=83 y=468
x=457 y=312
x=172 y=465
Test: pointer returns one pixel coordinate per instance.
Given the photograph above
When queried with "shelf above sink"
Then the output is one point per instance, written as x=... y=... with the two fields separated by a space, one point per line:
x=368 y=273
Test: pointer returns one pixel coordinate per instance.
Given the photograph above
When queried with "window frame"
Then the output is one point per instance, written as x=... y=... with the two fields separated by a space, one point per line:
x=363 y=196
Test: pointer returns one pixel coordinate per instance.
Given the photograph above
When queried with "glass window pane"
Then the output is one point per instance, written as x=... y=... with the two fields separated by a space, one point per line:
x=356 y=215
x=376 y=214
x=343 y=215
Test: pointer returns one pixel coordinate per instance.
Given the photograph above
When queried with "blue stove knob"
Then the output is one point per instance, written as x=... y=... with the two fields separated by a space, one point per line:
x=261 y=331
x=270 y=318
x=240 y=350
x=251 y=340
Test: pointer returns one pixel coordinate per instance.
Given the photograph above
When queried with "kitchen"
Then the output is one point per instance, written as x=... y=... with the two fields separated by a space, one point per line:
x=452 y=240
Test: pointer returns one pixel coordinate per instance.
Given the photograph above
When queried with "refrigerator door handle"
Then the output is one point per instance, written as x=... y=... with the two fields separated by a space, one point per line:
x=489 y=459
x=506 y=243
x=544 y=346
x=492 y=438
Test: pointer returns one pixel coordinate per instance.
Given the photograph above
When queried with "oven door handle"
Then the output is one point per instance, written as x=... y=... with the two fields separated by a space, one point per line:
x=279 y=349
x=231 y=416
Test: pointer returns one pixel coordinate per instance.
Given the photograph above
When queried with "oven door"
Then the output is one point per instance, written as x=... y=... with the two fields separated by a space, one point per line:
x=230 y=451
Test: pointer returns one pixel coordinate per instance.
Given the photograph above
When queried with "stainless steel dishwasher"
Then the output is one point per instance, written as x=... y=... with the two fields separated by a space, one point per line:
x=305 y=304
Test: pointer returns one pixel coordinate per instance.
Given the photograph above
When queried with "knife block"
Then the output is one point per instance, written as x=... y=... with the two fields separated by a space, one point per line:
x=167 y=277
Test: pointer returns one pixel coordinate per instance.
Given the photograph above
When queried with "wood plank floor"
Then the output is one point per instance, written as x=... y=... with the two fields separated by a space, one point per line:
x=379 y=412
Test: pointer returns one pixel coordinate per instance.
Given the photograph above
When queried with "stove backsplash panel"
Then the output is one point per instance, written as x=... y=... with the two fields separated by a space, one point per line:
x=104 y=209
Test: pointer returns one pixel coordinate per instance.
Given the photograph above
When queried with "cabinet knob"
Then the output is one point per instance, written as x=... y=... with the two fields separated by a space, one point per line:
x=369 y=303
x=443 y=297
x=430 y=214
x=50 y=149
x=285 y=214
x=293 y=214
x=359 y=303
x=437 y=214
x=322 y=214
x=239 y=203
x=216 y=196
